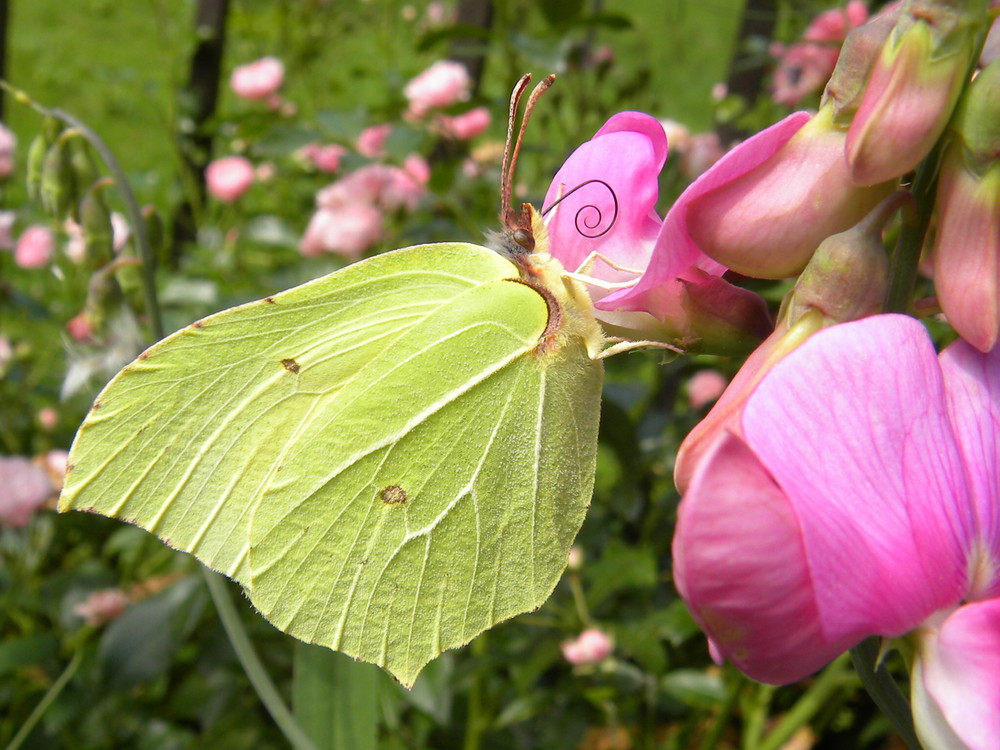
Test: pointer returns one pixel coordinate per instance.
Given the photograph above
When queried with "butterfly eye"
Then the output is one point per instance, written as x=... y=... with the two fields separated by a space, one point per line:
x=524 y=238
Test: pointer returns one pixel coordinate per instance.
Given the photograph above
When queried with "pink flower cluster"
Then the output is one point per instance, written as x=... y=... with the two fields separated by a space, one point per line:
x=350 y=215
x=442 y=85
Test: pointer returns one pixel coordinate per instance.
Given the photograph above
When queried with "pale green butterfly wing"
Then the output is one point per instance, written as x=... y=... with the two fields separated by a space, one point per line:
x=385 y=458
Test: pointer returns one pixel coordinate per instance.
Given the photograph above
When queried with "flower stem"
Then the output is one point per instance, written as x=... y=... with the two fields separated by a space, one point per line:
x=906 y=257
x=252 y=665
x=818 y=695
x=43 y=705
x=884 y=691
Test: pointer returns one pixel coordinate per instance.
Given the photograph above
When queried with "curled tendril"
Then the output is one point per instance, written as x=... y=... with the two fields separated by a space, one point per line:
x=589 y=216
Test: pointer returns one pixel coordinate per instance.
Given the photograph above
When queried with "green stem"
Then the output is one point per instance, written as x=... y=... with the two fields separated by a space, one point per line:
x=884 y=691
x=252 y=665
x=710 y=740
x=580 y=600
x=43 y=705
x=906 y=257
x=819 y=693
x=756 y=716
x=474 y=720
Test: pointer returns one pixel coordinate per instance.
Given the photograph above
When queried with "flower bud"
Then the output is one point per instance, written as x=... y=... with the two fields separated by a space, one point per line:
x=590 y=647
x=967 y=242
x=58 y=184
x=95 y=221
x=913 y=87
x=768 y=217
x=37 y=150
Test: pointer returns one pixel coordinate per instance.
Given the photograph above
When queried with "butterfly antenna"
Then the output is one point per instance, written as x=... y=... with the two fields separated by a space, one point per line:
x=506 y=171
x=541 y=88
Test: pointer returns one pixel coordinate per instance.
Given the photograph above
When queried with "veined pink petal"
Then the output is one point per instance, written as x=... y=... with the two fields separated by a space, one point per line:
x=620 y=222
x=675 y=249
x=854 y=429
x=956 y=680
x=740 y=566
x=972 y=383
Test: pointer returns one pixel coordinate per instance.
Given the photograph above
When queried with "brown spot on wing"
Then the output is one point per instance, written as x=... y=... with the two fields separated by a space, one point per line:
x=393 y=495
x=290 y=364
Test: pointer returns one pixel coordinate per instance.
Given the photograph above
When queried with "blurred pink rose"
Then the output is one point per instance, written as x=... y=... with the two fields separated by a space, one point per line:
x=371 y=142
x=806 y=66
x=24 y=488
x=704 y=387
x=229 y=177
x=259 y=80
x=590 y=647
x=347 y=230
x=467 y=125
x=417 y=167
x=34 y=247
x=441 y=85
x=678 y=135
x=8 y=143
x=102 y=606
x=701 y=151
x=48 y=418
x=326 y=158
x=80 y=329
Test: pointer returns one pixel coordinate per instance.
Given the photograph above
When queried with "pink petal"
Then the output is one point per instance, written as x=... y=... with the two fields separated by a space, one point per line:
x=853 y=427
x=740 y=566
x=675 y=249
x=627 y=154
x=956 y=680
x=972 y=382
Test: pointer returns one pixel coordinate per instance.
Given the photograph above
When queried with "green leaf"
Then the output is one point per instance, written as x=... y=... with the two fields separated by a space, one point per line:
x=138 y=646
x=335 y=699
x=694 y=687
x=620 y=567
x=390 y=459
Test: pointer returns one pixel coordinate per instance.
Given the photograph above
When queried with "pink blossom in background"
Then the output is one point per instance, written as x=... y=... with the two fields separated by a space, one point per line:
x=121 y=232
x=720 y=91
x=80 y=328
x=48 y=418
x=444 y=83
x=590 y=647
x=862 y=498
x=35 y=247
x=8 y=145
x=417 y=167
x=574 y=561
x=991 y=47
x=259 y=80
x=102 y=606
x=705 y=386
x=229 y=177
x=24 y=488
x=325 y=158
x=678 y=135
x=806 y=66
x=371 y=142
x=467 y=125
x=700 y=153
x=347 y=230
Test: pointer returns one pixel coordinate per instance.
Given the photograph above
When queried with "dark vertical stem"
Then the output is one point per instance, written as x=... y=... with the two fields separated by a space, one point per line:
x=471 y=52
x=884 y=690
x=194 y=141
x=4 y=15
x=747 y=69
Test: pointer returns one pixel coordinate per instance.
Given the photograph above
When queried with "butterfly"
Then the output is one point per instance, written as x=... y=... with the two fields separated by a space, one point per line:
x=389 y=459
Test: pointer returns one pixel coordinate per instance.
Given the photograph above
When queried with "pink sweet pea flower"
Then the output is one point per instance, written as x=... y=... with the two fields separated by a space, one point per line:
x=666 y=289
x=102 y=606
x=444 y=83
x=229 y=177
x=260 y=80
x=34 y=247
x=590 y=647
x=704 y=387
x=862 y=498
